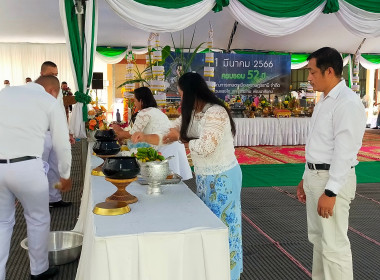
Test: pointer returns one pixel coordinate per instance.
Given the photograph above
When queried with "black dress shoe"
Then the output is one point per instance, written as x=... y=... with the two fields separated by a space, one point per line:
x=60 y=203
x=48 y=274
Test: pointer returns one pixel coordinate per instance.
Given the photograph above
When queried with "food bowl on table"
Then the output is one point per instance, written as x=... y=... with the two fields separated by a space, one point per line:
x=106 y=147
x=154 y=172
x=64 y=246
x=105 y=134
x=121 y=168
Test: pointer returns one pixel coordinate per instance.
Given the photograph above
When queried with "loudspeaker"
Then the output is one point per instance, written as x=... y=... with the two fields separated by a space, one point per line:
x=97 y=80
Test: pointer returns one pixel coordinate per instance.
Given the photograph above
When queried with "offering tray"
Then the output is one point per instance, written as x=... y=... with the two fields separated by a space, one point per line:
x=111 y=208
x=170 y=179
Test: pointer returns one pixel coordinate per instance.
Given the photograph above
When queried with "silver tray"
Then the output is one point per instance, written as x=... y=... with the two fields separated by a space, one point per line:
x=175 y=180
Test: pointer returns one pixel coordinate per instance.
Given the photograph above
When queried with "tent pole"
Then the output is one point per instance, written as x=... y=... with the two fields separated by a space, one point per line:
x=232 y=36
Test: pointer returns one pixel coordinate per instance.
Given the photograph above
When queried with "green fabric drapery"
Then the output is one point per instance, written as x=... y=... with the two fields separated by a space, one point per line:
x=299 y=57
x=373 y=58
x=177 y=4
x=78 y=47
x=220 y=4
x=332 y=6
x=281 y=8
x=168 y=4
x=76 y=44
x=297 y=8
x=110 y=52
x=372 y=6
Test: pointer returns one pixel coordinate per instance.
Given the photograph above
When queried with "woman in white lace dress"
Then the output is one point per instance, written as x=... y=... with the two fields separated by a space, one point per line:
x=208 y=129
x=150 y=120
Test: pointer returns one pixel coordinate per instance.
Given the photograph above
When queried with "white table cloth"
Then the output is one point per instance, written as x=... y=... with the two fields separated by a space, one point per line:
x=169 y=237
x=271 y=131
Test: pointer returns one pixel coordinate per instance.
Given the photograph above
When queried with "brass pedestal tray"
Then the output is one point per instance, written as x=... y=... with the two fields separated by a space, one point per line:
x=97 y=171
x=121 y=194
x=111 y=208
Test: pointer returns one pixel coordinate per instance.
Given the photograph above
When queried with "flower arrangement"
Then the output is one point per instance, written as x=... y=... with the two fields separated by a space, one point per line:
x=264 y=102
x=96 y=118
x=289 y=101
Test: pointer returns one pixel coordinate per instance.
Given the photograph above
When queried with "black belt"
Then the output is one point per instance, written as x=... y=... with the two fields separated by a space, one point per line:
x=318 y=166
x=13 y=160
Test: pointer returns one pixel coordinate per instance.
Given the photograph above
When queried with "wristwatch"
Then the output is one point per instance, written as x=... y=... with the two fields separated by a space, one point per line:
x=329 y=193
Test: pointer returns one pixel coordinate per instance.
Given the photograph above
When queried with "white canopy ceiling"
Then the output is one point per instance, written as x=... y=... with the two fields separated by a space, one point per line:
x=38 y=21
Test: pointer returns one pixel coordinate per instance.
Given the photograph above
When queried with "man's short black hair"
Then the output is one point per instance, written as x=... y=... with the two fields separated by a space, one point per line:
x=48 y=64
x=328 y=57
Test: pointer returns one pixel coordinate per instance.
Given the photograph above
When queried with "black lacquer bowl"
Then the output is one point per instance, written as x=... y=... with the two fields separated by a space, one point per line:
x=121 y=168
x=105 y=135
x=106 y=147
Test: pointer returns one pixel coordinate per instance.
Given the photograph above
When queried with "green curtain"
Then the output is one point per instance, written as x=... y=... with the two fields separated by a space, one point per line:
x=77 y=47
x=373 y=58
x=91 y=54
x=281 y=8
x=372 y=6
x=75 y=42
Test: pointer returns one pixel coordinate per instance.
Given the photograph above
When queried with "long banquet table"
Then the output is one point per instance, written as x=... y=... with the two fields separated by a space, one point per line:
x=169 y=237
x=271 y=131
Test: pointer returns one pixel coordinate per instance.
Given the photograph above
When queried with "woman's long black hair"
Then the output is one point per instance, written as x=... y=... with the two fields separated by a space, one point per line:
x=145 y=95
x=194 y=88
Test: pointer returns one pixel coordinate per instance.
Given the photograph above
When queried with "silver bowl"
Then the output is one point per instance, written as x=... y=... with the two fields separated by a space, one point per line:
x=154 y=172
x=64 y=246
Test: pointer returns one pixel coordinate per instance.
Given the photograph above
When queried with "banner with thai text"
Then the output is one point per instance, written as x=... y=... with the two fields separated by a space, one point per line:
x=252 y=74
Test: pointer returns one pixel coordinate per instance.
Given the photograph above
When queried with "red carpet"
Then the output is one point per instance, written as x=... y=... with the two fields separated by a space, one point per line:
x=370 y=151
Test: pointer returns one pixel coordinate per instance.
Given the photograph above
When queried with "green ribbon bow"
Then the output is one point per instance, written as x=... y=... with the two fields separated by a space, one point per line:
x=332 y=6
x=220 y=4
x=85 y=99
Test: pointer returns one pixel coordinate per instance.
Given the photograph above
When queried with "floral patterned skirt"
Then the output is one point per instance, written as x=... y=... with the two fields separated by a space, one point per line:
x=221 y=193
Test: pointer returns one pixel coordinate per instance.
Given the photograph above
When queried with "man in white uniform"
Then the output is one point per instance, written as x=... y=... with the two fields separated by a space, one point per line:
x=26 y=115
x=329 y=182
x=49 y=155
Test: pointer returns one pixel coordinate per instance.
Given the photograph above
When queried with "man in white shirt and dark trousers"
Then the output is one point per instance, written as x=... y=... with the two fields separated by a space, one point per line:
x=49 y=154
x=26 y=115
x=328 y=184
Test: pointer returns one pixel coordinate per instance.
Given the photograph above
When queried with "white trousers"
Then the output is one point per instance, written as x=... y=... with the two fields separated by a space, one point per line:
x=53 y=176
x=179 y=164
x=332 y=258
x=26 y=181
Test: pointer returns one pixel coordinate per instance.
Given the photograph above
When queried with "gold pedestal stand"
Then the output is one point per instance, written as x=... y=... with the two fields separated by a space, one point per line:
x=111 y=208
x=97 y=171
x=121 y=194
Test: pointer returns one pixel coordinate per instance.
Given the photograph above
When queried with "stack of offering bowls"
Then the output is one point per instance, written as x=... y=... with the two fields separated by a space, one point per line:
x=120 y=171
x=104 y=147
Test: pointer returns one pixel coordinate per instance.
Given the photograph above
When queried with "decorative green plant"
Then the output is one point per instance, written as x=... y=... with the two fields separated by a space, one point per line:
x=179 y=57
x=139 y=75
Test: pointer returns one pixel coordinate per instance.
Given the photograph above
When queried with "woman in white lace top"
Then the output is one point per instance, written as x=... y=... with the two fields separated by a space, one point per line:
x=207 y=127
x=150 y=120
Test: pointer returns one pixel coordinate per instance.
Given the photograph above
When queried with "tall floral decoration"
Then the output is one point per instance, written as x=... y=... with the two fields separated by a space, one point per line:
x=130 y=85
x=355 y=78
x=209 y=58
x=157 y=85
